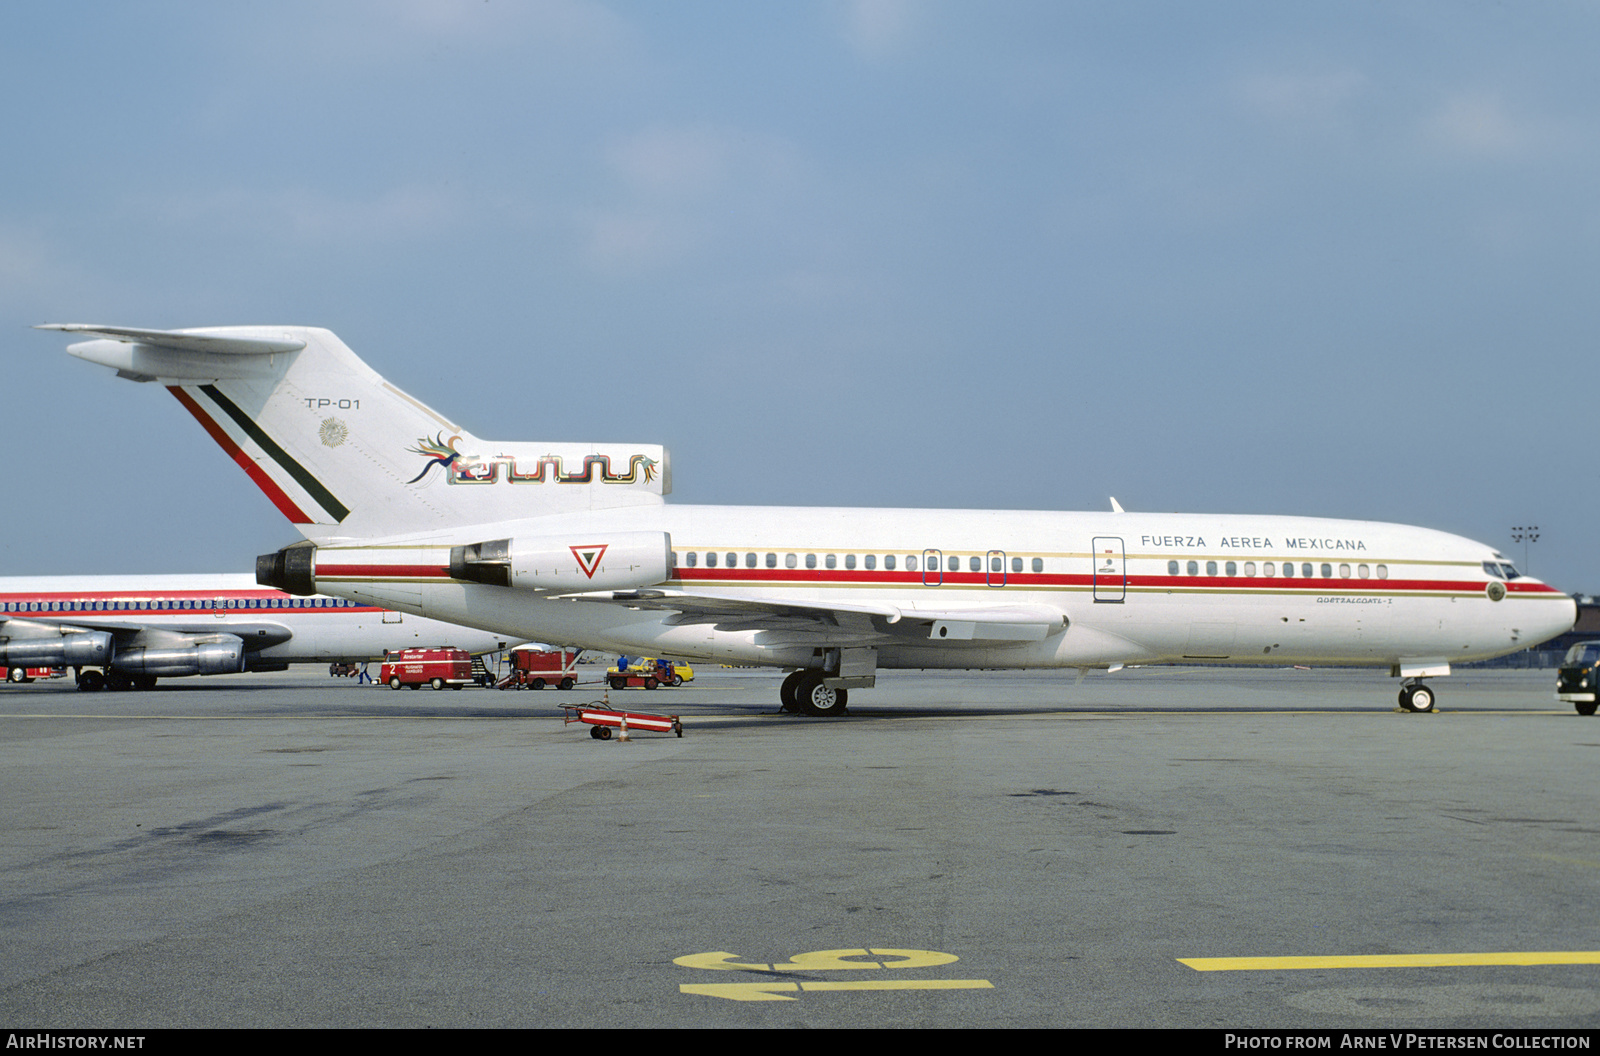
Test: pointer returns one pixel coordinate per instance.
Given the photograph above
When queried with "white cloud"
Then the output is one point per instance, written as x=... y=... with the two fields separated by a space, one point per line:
x=1303 y=99
x=673 y=161
x=679 y=187
x=1481 y=123
x=309 y=215
x=877 y=28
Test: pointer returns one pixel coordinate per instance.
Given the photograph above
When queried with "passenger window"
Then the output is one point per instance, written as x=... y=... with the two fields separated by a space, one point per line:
x=1016 y=564
x=1231 y=568
x=995 y=564
x=1269 y=569
x=832 y=561
x=1306 y=570
x=711 y=560
x=1327 y=571
x=749 y=560
x=1344 y=571
x=871 y=561
x=1249 y=568
x=1383 y=571
x=1194 y=568
x=911 y=562
x=849 y=560
x=1288 y=568
x=1038 y=564
x=672 y=559
x=811 y=560
x=1363 y=571
x=955 y=563
x=1211 y=568
x=772 y=560
x=888 y=563
x=733 y=560
x=1172 y=568
x=790 y=561
x=975 y=563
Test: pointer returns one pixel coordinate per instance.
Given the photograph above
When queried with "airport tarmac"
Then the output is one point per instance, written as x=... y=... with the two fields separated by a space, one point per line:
x=961 y=850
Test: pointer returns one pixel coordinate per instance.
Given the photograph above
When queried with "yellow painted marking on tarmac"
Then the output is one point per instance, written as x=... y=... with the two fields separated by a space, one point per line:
x=1389 y=960
x=720 y=960
x=779 y=991
x=901 y=984
x=1589 y=863
x=828 y=960
x=741 y=991
x=819 y=960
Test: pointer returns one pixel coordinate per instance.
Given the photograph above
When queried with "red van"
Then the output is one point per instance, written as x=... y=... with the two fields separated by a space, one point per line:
x=438 y=667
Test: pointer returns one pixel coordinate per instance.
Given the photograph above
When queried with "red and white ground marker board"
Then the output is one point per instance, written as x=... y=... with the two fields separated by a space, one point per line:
x=603 y=720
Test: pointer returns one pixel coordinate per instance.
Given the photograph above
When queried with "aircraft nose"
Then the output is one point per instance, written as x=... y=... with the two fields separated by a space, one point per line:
x=1560 y=618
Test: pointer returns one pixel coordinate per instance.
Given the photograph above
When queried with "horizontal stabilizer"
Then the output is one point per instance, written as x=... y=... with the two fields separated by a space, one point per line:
x=220 y=341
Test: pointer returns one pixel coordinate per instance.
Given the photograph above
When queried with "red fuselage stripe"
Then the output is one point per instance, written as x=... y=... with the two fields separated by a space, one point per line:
x=799 y=577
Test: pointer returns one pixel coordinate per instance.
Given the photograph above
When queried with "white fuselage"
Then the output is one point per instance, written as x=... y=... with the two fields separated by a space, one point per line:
x=275 y=627
x=1130 y=588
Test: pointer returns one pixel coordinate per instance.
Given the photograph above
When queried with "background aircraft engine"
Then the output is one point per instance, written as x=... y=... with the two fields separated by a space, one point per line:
x=217 y=657
x=57 y=650
x=577 y=562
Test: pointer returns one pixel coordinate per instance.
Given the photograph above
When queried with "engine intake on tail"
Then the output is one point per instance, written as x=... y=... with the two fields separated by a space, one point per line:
x=291 y=569
x=604 y=561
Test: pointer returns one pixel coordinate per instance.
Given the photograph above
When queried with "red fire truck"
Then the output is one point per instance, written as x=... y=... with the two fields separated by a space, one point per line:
x=437 y=667
x=536 y=669
x=28 y=674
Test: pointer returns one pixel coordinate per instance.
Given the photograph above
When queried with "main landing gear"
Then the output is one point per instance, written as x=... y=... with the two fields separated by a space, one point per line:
x=1414 y=696
x=804 y=691
x=92 y=681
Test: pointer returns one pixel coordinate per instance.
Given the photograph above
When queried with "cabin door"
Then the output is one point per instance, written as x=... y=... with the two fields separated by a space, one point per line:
x=1110 y=574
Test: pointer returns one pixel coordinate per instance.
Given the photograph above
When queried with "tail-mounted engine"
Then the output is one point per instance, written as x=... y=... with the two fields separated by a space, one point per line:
x=606 y=561
x=292 y=569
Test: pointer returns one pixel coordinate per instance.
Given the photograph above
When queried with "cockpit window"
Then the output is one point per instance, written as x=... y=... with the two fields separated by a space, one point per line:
x=1501 y=570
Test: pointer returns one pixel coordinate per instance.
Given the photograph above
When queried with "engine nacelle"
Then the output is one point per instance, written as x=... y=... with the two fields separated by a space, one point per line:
x=202 y=658
x=291 y=569
x=72 y=649
x=577 y=562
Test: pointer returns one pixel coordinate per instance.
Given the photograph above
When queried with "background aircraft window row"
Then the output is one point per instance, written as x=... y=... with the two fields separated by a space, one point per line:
x=713 y=559
x=1268 y=568
x=175 y=605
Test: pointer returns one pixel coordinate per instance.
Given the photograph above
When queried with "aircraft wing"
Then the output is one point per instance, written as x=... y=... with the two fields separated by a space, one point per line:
x=839 y=623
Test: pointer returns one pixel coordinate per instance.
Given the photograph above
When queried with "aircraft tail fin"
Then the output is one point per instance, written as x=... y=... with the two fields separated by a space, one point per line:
x=346 y=455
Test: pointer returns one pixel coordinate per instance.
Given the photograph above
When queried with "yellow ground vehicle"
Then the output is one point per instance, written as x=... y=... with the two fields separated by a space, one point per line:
x=647 y=671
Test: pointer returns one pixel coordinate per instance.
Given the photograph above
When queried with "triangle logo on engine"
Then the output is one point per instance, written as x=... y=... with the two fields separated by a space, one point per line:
x=589 y=557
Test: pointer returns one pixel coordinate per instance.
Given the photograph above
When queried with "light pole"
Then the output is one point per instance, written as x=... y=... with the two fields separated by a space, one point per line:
x=1525 y=536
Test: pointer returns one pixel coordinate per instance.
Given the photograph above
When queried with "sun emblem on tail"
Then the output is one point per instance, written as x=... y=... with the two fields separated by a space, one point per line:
x=333 y=432
x=437 y=452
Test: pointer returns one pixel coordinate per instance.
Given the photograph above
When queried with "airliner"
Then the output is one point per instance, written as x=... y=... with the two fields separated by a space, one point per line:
x=574 y=543
x=125 y=632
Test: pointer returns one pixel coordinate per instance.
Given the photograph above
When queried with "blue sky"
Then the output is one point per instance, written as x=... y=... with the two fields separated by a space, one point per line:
x=1327 y=259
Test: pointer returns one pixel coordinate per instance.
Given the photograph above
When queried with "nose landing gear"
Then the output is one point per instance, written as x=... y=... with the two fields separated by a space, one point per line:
x=1414 y=696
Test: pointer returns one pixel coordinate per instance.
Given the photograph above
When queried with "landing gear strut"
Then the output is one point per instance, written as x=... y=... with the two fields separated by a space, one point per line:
x=1414 y=696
